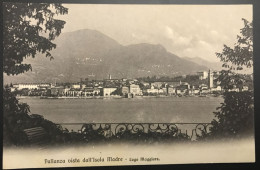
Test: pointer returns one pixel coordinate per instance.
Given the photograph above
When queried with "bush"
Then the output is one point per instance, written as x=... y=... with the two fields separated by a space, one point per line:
x=235 y=117
x=16 y=119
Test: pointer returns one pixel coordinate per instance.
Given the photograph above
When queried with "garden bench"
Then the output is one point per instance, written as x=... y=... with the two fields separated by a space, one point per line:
x=36 y=136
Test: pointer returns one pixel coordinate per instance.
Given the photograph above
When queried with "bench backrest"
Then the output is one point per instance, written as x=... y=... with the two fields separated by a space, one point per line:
x=37 y=136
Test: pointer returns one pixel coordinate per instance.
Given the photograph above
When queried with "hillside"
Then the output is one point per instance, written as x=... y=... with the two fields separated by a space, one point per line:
x=91 y=54
x=202 y=62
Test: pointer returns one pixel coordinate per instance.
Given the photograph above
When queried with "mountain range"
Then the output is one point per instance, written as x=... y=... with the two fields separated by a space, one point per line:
x=202 y=62
x=94 y=55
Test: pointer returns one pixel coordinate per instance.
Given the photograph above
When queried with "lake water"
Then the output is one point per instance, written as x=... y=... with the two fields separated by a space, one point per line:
x=135 y=110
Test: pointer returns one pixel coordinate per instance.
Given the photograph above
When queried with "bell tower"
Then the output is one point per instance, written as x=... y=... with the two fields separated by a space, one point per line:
x=210 y=79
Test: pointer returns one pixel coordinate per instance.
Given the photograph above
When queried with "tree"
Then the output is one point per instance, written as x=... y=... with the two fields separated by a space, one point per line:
x=242 y=53
x=229 y=80
x=29 y=28
x=235 y=116
x=236 y=58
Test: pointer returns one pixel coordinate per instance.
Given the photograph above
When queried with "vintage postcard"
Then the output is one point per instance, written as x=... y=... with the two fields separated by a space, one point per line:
x=127 y=84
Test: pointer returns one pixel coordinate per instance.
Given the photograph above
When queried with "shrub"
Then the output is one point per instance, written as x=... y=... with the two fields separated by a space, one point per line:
x=235 y=117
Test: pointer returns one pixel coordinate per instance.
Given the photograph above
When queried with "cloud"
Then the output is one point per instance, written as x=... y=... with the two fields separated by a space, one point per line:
x=176 y=38
x=204 y=44
x=184 y=40
x=169 y=32
x=214 y=33
x=185 y=30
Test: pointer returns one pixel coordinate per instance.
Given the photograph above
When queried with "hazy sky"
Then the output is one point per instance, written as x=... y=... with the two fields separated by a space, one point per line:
x=185 y=30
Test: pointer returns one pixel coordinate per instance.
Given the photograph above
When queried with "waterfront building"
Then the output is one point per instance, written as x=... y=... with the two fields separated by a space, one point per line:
x=218 y=88
x=89 y=91
x=82 y=86
x=135 y=89
x=44 y=86
x=77 y=92
x=75 y=86
x=202 y=75
x=21 y=86
x=57 y=91
x=195 y=87
x=37 y=92
x=71 y=92
x=108 y=90
x=173 y=83
x=196 y=91
x=152 y=90
x=96 y=91
x=204 y=91
x=182 y=89
x=125 y=90
x=163 y=91
x=178 y=91
x=171 y=91
x=160 y=84
x=52 y=85
x=203 y=86
x=66 y=89
x=184 y=86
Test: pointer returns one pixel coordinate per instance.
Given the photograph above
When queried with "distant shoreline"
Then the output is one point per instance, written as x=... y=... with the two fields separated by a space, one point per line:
x=110 y=97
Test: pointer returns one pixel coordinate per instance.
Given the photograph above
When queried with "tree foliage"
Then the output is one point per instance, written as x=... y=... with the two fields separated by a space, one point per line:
x=242 y=52
x=16 y=119
x=235 y=117
x=29 y=28
x=229 y=80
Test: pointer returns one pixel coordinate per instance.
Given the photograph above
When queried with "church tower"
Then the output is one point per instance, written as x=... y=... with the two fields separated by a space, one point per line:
x=210 y=79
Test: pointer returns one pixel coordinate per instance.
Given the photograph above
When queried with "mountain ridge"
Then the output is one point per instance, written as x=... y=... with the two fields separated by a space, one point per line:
x=212 y=65
x=89 y=52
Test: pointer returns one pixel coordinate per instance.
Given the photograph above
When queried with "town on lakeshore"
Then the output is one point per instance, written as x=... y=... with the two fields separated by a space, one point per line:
x=201 y=84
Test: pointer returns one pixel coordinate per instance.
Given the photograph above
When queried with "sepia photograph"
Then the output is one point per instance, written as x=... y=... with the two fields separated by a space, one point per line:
x=127 y=84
